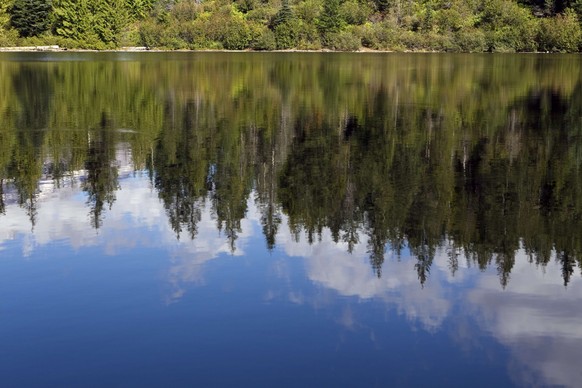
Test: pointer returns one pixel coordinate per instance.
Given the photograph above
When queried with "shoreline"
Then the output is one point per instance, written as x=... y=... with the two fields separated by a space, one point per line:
x=138 y=49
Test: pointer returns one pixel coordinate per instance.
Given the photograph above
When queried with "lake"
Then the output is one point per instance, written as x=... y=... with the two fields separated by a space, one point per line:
x=290 y=219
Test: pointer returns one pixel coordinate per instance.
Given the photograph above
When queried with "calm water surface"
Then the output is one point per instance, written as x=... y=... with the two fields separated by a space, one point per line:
x=213 y=219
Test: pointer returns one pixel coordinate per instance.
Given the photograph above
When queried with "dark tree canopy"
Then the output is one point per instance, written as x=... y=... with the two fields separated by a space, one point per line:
x=31 y=17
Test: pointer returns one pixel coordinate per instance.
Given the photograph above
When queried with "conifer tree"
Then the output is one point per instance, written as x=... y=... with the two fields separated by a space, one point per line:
x=30 y=17
x=73 y=19
x=284 y=15
x=330 y=20
x=285 y=27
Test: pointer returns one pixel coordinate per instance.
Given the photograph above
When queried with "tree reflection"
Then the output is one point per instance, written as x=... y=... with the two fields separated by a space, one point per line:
x=101 y=181
x=181 y=167
x=33 y=87
x=400 y=153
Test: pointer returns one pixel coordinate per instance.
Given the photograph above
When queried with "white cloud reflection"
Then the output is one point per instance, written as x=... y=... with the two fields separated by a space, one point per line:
x=136 y=219
x=535 y=317
x=332 y=266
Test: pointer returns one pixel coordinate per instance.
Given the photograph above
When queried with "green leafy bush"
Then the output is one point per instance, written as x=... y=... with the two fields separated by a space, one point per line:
x=8 y=35
x=151 y=34
x=262 y=15
x=236 y=34
x=561 y=33
x=309 y=38
x=353 y=12
x=226 y=26
x=308 y=11
x=344 y=41
x=379 y=36
x=186 y=11
x=456 y=17
x=508 y=27
x=264 y=40
x=287 y=34
x=246 y=6
x=470 y=40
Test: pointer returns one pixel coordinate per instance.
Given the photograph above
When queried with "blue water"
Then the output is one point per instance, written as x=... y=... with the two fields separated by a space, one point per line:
x=114 y=312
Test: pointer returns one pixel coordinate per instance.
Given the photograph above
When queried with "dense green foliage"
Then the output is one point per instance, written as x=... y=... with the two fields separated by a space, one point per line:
x=30 y=17
x=474 y=154
x=419 y=25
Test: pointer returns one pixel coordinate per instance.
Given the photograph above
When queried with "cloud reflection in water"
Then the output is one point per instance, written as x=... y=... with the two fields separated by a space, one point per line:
x=536 y=318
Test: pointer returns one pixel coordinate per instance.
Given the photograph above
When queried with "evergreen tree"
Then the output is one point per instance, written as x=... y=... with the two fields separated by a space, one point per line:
x=73 y=19
x=111 y=16
x=30 y=17
x=286 y=27
x=330 y=21
x=139 y=9
x=94 y=22
x=284 y=15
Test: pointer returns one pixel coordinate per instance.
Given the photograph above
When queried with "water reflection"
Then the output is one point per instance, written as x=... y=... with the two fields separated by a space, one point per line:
x=535 y=320
x=535 y=317
x=412 y=151
x=427 y=183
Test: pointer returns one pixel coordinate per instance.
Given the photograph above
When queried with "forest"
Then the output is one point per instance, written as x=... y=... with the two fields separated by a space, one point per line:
x=341 y=25
x=479 y=154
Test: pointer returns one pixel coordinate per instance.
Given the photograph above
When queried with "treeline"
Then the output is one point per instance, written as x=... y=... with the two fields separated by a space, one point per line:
x=348 y=25
x=480 y=155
